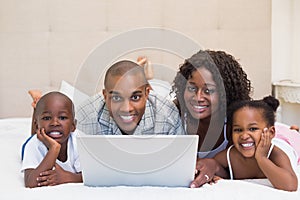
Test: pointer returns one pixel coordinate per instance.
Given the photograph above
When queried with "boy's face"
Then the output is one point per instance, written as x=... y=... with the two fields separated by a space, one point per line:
x=55 y=116
x=126 y=97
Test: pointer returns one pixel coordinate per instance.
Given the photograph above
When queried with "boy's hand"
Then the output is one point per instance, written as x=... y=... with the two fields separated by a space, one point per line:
x=264 y=144
x=55 y=176
x=48 y=141
x=58 y=176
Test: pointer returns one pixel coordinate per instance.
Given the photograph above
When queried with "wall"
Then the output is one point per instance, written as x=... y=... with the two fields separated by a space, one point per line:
x=45 y=41
x=285 y=58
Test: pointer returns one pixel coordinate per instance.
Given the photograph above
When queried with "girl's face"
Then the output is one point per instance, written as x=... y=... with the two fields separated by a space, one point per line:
x=247 y=127
x=200 y=95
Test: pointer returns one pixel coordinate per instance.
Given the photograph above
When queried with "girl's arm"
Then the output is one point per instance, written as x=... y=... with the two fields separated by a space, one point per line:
x=221 y=159
x=32 y=177
x=277 y=168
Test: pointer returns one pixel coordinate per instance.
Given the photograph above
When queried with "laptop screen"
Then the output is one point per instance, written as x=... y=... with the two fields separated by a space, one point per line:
x=156 y=160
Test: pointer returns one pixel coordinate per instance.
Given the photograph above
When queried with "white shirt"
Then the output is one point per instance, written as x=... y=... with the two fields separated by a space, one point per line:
x=35 y=151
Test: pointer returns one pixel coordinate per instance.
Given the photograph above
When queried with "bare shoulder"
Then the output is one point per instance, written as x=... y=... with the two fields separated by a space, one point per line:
x=278 y=155
x=221 y=158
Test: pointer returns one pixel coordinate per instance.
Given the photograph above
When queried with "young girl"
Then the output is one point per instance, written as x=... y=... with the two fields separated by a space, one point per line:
x=253 y=153
x=50 y=156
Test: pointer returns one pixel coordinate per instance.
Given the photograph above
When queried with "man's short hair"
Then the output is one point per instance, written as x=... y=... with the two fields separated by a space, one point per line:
x=124 y=67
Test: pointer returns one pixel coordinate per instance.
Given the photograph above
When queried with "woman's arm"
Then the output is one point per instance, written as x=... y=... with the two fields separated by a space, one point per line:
x=207 y=168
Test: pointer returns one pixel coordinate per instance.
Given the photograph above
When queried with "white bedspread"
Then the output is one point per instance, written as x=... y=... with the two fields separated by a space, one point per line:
x=14 y=131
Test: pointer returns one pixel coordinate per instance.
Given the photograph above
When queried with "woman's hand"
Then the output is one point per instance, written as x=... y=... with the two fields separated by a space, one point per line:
x=205 y=171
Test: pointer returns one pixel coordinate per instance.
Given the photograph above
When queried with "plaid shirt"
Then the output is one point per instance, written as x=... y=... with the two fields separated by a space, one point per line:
x=161 y=117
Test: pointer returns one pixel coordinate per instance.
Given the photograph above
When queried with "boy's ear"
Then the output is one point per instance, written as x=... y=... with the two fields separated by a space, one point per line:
x=35 y=125
x=74 y=125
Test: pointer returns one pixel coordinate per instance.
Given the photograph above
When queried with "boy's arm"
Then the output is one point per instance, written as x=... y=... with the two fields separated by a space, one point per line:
x=59 y=176
x=32 y=176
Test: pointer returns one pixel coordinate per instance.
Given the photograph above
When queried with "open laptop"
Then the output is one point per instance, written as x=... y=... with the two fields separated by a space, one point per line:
x=144 y=160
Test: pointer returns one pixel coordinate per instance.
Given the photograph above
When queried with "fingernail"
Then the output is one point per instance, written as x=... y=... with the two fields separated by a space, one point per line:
x=193 y=185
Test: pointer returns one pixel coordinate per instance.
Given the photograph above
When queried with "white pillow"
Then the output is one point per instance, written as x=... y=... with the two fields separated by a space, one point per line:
x=74 y=94
x=162 y=88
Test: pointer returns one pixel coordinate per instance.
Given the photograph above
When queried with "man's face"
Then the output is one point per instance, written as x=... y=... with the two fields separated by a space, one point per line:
x=126 y=97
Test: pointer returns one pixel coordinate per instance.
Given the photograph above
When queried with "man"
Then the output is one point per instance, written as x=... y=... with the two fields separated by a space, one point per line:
x=127 y=106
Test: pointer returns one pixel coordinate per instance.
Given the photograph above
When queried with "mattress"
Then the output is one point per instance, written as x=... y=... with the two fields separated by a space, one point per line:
x=14 y=131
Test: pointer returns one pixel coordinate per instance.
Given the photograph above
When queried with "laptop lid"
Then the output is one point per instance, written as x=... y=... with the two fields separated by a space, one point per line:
x=156 y=160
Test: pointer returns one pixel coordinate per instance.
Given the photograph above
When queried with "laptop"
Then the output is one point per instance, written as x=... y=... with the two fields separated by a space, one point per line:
x=144 y=160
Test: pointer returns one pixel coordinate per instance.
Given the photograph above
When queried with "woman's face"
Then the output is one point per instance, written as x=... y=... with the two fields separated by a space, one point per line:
x=200 y=96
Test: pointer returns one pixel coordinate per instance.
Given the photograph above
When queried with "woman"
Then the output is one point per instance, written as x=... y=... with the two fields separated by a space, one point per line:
x=204 y=86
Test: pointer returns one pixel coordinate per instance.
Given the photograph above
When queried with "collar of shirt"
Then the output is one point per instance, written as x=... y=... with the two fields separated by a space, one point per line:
x=146 y=125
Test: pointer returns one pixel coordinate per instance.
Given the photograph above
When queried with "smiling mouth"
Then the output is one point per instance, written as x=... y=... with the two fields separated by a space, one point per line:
x=247 y=145
x=127 y=118
x=55 y=134
x=198 y=108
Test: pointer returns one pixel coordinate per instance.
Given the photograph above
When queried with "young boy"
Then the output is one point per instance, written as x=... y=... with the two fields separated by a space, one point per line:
x=127 y=106
x=50 y=156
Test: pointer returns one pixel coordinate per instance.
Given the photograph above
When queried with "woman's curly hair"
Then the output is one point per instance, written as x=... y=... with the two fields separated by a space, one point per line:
x=226 y=71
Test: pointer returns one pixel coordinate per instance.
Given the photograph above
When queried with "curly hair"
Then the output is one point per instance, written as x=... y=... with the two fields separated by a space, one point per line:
x=237 y=85
x=226 y=71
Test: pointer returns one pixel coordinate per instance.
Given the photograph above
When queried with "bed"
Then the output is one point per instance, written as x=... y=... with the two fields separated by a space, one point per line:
x=14 y=131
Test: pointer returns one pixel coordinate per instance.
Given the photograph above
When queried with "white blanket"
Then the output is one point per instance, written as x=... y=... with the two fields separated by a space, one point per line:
x=14 y=131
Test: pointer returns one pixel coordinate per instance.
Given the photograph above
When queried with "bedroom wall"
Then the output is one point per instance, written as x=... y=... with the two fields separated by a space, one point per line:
x=43 y=42
x=285 y=58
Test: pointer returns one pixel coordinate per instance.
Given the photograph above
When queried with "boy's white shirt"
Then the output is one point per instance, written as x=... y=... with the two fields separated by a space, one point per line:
x=35 y=151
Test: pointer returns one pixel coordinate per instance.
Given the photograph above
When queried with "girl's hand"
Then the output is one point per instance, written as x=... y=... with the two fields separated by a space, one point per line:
x=264 y=144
